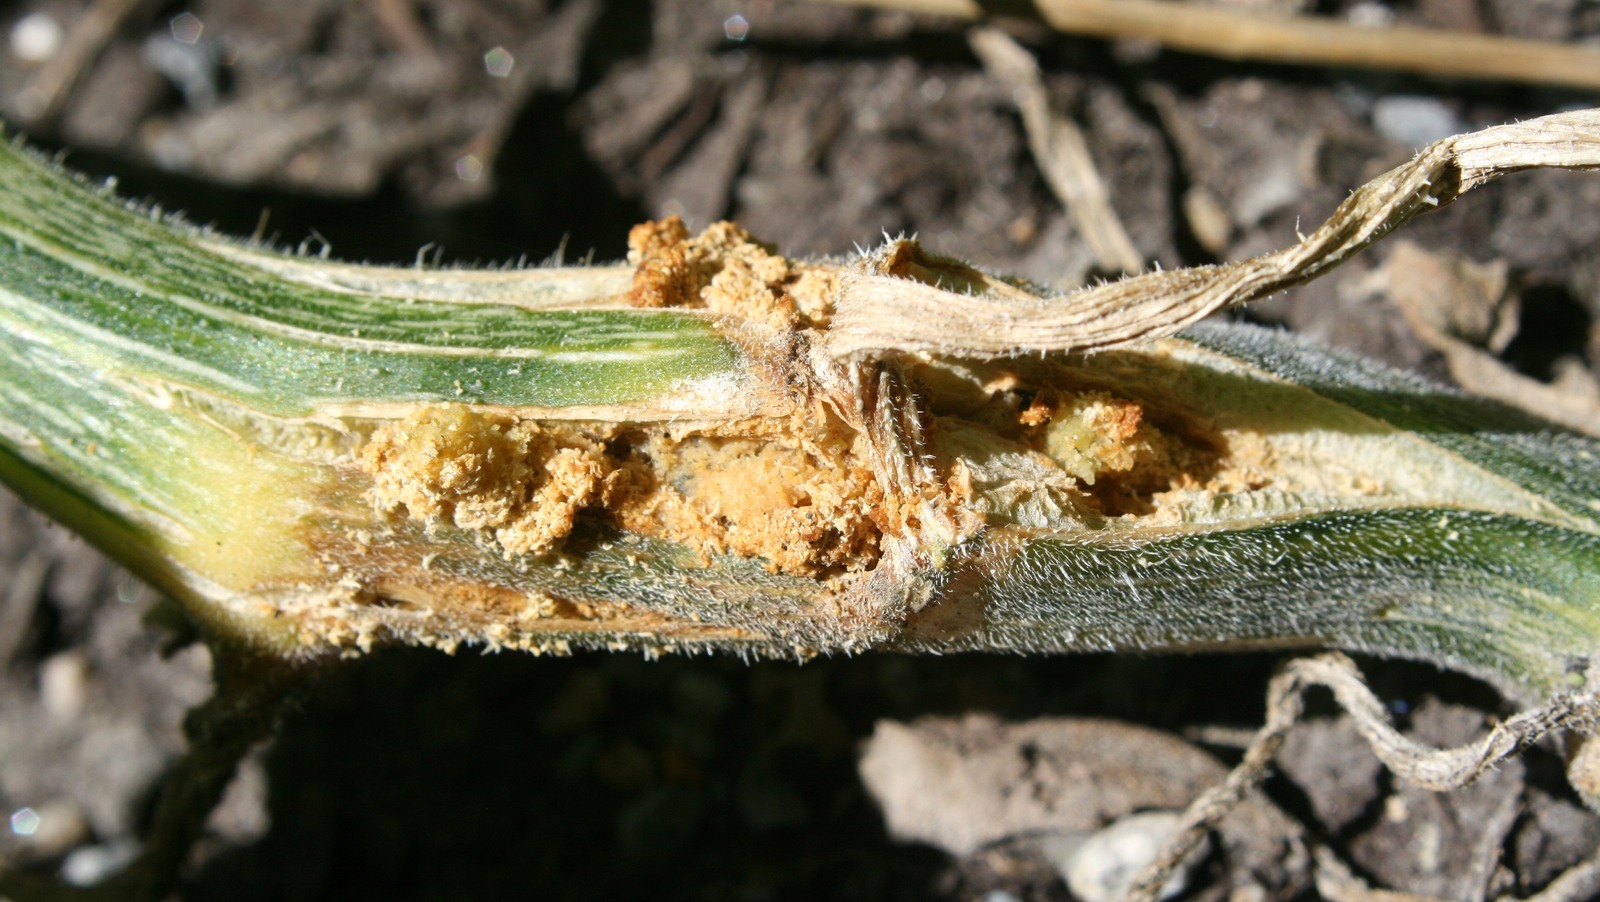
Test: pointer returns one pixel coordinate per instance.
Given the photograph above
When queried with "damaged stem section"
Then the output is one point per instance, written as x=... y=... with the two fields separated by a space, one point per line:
x=714 y=447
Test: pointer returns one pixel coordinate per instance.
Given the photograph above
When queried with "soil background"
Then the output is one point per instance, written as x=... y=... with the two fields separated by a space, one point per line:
x=495 y=131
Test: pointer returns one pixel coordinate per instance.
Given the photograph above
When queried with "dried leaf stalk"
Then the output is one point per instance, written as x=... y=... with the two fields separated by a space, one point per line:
x=878 y=315
x=715 y=447
x=1230 y=33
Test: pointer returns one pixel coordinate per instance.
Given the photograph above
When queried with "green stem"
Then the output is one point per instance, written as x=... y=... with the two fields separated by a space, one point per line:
x=207 y=414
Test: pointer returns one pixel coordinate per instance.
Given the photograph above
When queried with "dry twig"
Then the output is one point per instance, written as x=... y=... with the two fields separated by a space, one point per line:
x=1059 y=148
x=1435 y=769
x=878 y=313
x=1300 y=40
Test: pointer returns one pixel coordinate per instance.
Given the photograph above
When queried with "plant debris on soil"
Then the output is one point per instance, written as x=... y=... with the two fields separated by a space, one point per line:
x=456 y=131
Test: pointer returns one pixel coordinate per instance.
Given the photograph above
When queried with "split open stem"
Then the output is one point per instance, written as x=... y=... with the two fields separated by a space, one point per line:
x=715 y=447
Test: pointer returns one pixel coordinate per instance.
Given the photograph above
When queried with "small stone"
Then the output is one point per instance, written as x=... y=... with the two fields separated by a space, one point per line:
x=1415 y=119
x=1370 y=14
x=36 y=38
x=63 y=685
x=1276 y=187
x=91 y=865
x=1101 y=866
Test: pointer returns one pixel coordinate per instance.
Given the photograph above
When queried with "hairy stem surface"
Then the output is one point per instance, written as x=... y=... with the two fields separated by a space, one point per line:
x=716 y=447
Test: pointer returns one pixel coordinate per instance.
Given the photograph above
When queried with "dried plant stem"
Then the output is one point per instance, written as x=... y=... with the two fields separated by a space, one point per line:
x=1434 y=769
x=1299 y=40
x=1061 y=151
x=877 y=314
